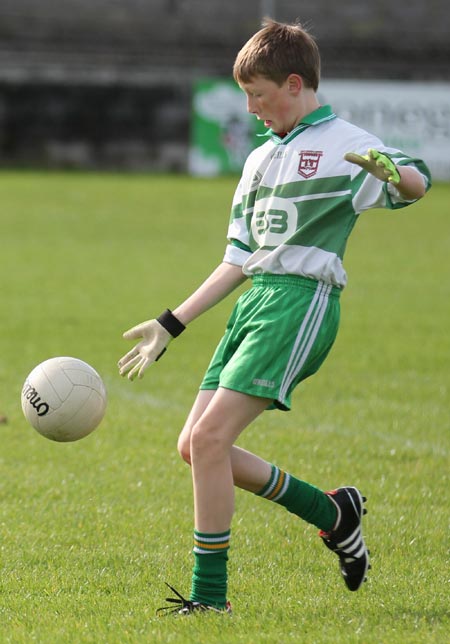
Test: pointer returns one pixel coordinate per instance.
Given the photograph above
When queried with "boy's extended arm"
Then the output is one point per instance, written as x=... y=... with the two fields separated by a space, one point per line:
x=156 y=334
x=407 y=180
x=222 y=281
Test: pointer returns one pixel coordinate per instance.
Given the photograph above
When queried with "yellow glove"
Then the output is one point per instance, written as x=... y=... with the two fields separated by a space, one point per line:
x=377 y=163
x=156 y=335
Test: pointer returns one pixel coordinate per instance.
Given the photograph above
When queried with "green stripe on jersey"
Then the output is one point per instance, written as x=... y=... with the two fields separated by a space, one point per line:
x=325 y=223
x=297 y=189
x=237 y=244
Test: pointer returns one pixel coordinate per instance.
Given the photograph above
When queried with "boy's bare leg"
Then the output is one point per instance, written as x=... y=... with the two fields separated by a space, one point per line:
x=206 y=443
x=226 y=416
x=250 y=472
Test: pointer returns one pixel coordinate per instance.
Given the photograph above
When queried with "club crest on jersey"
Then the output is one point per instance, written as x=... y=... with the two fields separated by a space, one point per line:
x=309 y=163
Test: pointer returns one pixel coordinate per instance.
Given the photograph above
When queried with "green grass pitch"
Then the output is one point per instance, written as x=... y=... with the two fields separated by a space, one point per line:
x=91 y=530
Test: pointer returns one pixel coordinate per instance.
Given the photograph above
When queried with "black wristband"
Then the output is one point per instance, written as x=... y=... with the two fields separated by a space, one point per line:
x=171 y=323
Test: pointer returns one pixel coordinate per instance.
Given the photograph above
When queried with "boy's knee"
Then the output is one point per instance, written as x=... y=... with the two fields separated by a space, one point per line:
x=184 y=448
x=206 y=442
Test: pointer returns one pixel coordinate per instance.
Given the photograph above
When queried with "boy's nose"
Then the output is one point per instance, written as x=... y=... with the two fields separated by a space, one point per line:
x=250 y=106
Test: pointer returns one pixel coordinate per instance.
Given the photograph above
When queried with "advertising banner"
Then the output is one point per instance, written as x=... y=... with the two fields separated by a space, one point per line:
x=414 y=117
x=222 y=131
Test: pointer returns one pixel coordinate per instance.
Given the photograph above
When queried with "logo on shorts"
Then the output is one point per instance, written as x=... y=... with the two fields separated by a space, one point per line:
x=309 y=163
x=264 y=383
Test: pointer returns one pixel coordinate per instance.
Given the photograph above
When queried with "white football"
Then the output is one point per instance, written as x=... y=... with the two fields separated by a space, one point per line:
x=64 y=399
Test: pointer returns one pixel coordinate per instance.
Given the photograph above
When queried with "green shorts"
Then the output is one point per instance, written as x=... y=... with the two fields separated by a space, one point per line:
x=279 y=333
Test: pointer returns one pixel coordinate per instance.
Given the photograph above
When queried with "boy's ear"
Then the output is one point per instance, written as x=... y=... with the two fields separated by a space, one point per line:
x=295 y=83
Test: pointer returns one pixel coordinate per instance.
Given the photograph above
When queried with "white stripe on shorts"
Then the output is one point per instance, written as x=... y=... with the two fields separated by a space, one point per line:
x=306 y=336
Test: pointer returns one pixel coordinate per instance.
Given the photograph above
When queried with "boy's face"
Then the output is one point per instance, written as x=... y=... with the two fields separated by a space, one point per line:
x=276 y=105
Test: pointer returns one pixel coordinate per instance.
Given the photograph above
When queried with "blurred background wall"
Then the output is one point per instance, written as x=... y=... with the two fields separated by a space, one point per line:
x=108 y=83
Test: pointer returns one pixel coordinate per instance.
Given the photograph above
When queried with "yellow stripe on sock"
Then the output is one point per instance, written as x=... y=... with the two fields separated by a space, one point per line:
x=211 y=546
x=278 y=486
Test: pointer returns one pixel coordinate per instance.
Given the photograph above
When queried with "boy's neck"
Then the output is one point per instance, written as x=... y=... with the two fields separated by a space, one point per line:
x=308 y=103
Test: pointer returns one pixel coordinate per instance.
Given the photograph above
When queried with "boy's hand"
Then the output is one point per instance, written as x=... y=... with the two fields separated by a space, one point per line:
x=156 y=335
x=377 y=164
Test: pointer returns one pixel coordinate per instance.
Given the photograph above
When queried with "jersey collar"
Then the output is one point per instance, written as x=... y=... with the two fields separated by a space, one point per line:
x=320 y=115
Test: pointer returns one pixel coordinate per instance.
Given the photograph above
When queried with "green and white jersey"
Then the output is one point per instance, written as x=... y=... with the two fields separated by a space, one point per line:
x=298 y=199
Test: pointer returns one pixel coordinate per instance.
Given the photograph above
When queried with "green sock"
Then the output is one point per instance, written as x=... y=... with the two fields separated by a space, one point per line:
x=209 y=576
x=300 y=498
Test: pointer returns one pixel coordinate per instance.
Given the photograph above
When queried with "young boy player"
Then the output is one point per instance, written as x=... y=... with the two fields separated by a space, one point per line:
x=298 y=199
